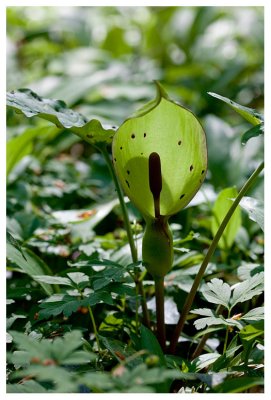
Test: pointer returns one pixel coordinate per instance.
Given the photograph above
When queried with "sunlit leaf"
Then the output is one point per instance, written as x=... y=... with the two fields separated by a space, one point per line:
x=218 y=292
x=56 y=111
x=248 y=289
x=29 y=263
x=255 y=210
x=249 y=114
x=220 y=209
x=256 y=314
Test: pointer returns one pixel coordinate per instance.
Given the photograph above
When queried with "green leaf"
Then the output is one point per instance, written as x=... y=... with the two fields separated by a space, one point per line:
x=220 y=209
x=253 y=132
x=238 y=385
x=204 y=361
x=56 y=111
x=14 y=242
x=246 y=290
x=20 y=146
x=210 y=320
x=29 y=264
x=61 y=350
x=149 y=342
x=255 y=210
x=120 y=350
x=252 y=332
x=12 y=319
x=249 y=114
x=173 y=133
x=78 y=277
x=218 y=292
x=256 y=314
x=67 y=304
x=28 y=386
x=53 y=280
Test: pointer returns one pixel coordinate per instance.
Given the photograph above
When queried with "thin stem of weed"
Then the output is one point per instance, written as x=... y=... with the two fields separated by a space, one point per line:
x=102 y=148
x=190 y=298
x=94 y=328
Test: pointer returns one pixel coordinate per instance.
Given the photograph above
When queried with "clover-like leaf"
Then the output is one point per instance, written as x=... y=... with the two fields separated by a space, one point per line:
x=30 y=104
x=218 y=292
x=162 y=150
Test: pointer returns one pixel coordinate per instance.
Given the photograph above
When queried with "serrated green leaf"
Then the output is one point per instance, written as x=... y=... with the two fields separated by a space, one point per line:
x=256 y=314
x=255 y=210
x=56 y=111
x=253 y=132
x=67 y=304
x=220 y=209
x=218 y=292
x=210 y=320
x=30 y=264
x=248 y=289
x=78 y=277
x=204 y=361
x=28 y=386
x=53 y=280
x=249 y=114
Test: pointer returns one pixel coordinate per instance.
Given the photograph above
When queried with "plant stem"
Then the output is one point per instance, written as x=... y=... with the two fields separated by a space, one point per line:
x=160 y=312
x=226 y=340
x=94 y=328
x=207 y=258
x=122 y=203
x=102 y=148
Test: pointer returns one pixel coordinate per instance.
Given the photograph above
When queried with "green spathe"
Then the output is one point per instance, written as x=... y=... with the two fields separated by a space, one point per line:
x=160 y=157
x=174 y=133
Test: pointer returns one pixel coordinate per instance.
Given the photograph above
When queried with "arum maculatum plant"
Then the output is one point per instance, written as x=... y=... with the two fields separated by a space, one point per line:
x=160 y=157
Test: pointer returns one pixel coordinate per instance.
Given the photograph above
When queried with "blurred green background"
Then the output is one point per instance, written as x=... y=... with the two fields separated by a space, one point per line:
x=102 y=61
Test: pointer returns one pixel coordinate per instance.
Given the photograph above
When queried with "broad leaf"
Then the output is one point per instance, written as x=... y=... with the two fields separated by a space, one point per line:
x=149 y=342
x=249 y=114
x=255 y=210
x=239 y=384
x=29 y=263
x=56 y=111
x=19 y=146
x=220 y=209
